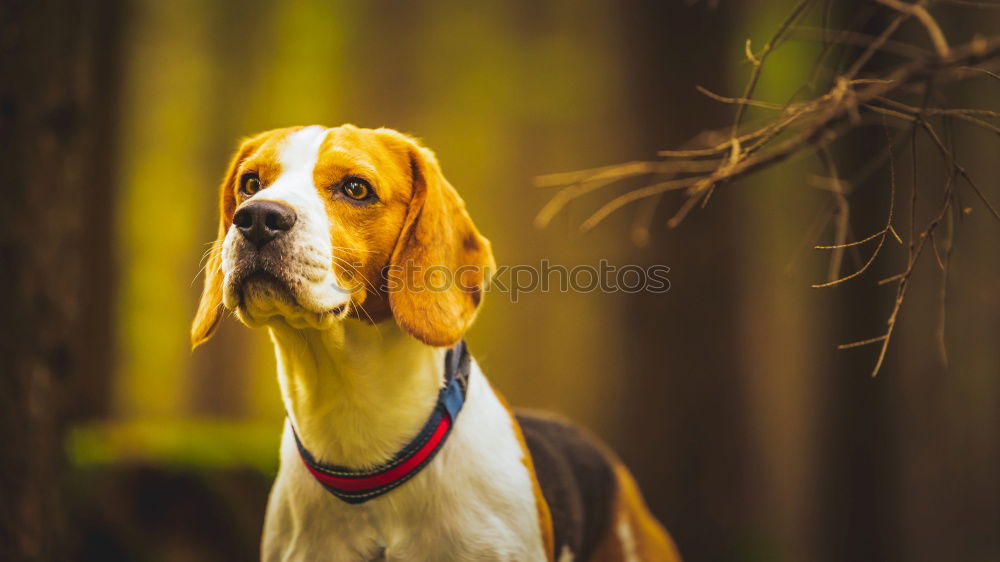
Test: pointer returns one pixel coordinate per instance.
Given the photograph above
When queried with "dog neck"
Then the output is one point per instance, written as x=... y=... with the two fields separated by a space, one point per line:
x=356 y=393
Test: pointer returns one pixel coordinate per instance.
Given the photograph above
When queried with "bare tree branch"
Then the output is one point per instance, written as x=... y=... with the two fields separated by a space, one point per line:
x=856 y=97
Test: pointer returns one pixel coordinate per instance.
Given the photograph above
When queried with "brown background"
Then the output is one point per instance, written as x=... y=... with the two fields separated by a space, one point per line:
x=751 y=436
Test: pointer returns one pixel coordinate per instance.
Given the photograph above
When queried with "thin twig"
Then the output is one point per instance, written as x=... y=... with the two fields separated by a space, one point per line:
x=880 y=235
x=843 y=215
x=930 y=24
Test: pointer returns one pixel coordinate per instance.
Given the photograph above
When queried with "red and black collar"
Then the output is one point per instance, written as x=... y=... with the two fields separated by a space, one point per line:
x=358 y=486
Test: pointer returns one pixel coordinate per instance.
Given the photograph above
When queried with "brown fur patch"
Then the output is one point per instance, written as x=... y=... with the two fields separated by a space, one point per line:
x=544 y=514
x=591 y=495
x=648 y=540
x=576 y=478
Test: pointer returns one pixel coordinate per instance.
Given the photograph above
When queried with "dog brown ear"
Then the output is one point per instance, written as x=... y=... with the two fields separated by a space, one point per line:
x=209 y=313
x=441 y=264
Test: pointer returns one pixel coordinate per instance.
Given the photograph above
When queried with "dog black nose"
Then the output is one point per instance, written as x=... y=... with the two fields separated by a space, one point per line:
x=263 y=221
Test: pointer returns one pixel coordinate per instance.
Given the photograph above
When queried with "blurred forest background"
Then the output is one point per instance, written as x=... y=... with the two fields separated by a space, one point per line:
x=752 y=437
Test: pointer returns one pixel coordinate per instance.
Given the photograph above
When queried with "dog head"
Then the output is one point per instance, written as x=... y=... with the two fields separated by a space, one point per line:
x=317 y=225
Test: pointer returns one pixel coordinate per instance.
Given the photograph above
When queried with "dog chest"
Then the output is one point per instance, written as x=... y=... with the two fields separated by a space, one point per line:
x=474 y=501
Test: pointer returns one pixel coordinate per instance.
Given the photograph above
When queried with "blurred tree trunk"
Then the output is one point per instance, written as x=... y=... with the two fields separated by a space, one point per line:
x=692 y=457
x=946 y=420
x=55 y=127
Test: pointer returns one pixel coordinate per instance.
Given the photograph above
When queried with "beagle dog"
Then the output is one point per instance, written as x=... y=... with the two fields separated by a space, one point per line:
x=358 y=257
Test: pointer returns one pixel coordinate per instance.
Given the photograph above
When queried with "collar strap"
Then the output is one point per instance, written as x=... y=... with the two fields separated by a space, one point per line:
x=358 y=486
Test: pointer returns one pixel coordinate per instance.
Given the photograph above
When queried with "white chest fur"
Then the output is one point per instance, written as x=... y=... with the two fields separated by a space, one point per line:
x=474 y=501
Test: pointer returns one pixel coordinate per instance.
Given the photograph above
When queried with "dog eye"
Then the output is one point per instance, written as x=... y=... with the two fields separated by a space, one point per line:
x=249 y=184
x=357 y=189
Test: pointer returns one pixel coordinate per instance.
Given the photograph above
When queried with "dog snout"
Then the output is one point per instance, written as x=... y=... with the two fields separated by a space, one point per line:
x=262 y=221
